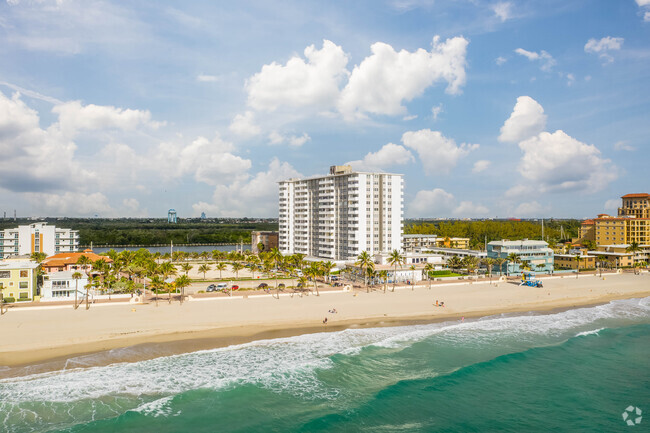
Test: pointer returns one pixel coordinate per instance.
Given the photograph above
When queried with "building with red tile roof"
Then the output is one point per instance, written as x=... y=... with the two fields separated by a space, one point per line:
x=68 y=261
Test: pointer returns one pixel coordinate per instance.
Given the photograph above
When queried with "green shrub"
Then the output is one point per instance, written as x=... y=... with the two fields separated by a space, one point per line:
x=9 y=299
x=201 y=291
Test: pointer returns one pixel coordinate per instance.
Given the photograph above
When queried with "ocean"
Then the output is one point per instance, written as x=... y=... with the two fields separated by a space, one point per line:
x=576 y=370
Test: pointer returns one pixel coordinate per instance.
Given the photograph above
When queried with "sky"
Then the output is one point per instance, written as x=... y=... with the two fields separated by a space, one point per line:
x=490 y=109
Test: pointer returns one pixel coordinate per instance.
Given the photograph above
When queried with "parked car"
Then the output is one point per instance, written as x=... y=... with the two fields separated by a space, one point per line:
x=281 y=286
x=263 y=286
x=235 y=287
x=211 y=288
x=221 y=287
x=300 y=285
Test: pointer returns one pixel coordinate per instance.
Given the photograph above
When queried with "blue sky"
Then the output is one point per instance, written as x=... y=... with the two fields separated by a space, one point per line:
x=489 y=109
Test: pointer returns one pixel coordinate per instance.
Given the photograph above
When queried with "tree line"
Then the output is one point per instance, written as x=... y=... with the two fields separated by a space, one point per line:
x=491 y=230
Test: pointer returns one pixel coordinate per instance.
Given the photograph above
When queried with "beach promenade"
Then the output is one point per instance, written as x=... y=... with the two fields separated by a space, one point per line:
x=56 y=333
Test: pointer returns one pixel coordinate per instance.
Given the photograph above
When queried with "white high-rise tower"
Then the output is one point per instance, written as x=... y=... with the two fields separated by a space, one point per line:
x=339 y=215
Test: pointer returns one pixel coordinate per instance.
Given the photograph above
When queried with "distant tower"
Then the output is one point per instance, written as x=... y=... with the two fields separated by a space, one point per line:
x=171 y=216
x=14 y=214
x=203 y=215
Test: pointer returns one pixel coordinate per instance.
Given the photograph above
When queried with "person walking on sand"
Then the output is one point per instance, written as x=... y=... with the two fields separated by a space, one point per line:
x=325 y=321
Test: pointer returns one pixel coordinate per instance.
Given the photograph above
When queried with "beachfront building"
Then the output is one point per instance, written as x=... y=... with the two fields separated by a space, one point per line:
x=437 y=260
x=266 y=240
x=631 y=224
x=419 y=243
x=613 y=259
x=642 y=255
x=37 y=238
x=571 y=261
x=534 y=253
x=61 y=286
x=448 y=253
x=18 y=279
x=70 y=261
x=338 y=216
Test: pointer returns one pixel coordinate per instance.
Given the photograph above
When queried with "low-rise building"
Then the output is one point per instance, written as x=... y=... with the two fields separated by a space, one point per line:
x=613 y=259
x=569 y=261
x=267 y=240
x=448 y=253
x=419 y=243
x=61 y=286
x=642 y=255
x=413 y=259
x=18 y=279
x=534 y=253
x=70 y=261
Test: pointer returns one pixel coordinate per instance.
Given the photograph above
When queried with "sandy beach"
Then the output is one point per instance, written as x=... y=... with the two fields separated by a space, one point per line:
x=38 y=335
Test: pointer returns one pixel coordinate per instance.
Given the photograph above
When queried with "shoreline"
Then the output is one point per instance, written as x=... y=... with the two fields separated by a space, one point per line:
x=246 y=319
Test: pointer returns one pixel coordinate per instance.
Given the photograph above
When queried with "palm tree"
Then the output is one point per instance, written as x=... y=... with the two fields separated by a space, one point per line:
x=364 y=261
x=204 y=268
x=395 y=259
x=221 y=266
x=454 y=263
x=157 y=283
x=383 y=274
x=276 y=257
x=327 y=269
x=540 y=267
x=167 y=269
x=500 y=261
x=489 y=264
x=412 y=268
x=236 y=267
x=633 y=248
x=427 y=269
x=601 y=259
x=577 y=257
x=186 y=267
x=315 y=271
x=180 y=283
x=76 y=277
x=512 y=258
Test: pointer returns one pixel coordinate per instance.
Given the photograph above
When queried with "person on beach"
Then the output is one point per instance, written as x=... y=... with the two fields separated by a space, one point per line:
x=436 y=302
x=325 y=321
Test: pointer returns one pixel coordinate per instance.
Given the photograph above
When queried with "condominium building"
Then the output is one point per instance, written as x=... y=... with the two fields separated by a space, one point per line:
x=534 y=253
x=340 y=215
x=37 y=238
x=632 y=224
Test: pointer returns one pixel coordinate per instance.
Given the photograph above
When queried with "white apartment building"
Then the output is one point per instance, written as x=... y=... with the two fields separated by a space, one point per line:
x=337 y=216
x=37 y=237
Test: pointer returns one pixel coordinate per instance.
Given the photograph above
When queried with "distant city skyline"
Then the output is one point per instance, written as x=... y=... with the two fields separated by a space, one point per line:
x=490 y=109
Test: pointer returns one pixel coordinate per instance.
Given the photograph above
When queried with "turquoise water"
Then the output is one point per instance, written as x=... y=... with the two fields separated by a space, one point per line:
x=576 y=370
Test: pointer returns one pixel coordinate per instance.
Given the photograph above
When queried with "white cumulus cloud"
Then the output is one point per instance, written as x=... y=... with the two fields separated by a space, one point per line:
x=387 y=78
x=208 y=161
x=438 y=203
x=390 y=154
x=244 y=125
x=612 y=204
x=603 y=47
x=71 y=203
x=558 y=162
x=255 y=196
x=527 y=119
x=437 y=153
x=73 y=116
x=480 y=166
x=311 y=82
x=546 y=60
